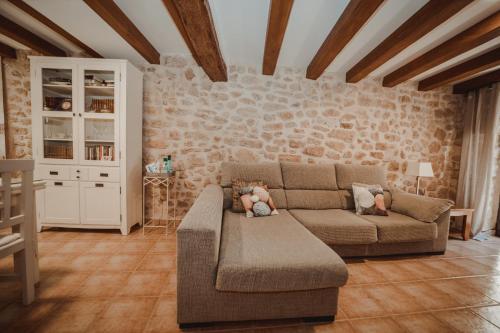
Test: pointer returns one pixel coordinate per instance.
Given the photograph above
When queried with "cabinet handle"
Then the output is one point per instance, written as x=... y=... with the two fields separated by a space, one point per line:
x=103 y=174
x=78 y=171
x=58 y=183
x=77 y=177
x=80 y=114
x=54 y=173
x=74 y=114
x=99 y=185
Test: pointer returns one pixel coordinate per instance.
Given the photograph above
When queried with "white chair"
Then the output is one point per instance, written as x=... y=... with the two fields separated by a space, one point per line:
x=20 y=219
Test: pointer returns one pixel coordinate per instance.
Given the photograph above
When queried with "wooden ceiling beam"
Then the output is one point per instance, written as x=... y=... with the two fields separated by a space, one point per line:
x=423 y=21
x=476 y=35
x=174 y=14
x=19 y=34
x=56 y=28
x=7 y=52
x=477 y=82
x=352 y=19
x=279 y=12
x=462 y=71
x=200 y=33
x=116 y=19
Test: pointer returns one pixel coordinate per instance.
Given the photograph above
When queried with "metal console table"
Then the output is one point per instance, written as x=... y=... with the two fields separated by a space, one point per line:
x=157 y=182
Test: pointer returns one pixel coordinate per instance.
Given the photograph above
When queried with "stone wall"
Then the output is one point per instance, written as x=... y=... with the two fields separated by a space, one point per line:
x=18 y=105
x=286 y=117
x=270 y=118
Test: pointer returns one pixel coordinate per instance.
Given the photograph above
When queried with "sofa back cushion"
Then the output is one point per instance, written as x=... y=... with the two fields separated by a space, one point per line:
x=268 y=173
x=366 y=174
x=313 y=199
x=297 y=176
x=310 y=186
x=278 y=195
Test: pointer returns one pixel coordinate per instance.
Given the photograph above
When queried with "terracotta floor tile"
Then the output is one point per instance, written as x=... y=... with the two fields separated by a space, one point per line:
x=166 y=306
x=394 y=300
x=122 y=262
x=105 y=247
x=472 y=266
x=459 y=290
x=157 y=262
x=161 y=324
x=66 y=323
x=170 y=287
x=144 y=283
x=129 y=307
x=336 y=327
x=23 y=318
x=426 y=295
x=356 y=302
x=490 y=313
x=465 y=321
x=95 y=235
x=361 y=273
x=135 y=246
x=489 y=285
x=119 y=325
x=377 y=325
x=75 y=246
x=82 y=307
x=88 y=262
x=64 y=278
x=6 y=265
x=56 y=292
x=419 y=323
x=421 y=269
x=49 y=247
x=55 y=262
x=447 y=268
x=163 y=246
x=393 y=271
x=102 y=284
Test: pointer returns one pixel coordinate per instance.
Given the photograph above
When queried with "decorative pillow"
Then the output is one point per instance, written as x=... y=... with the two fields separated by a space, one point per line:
x=369 y=199
x=241 y=187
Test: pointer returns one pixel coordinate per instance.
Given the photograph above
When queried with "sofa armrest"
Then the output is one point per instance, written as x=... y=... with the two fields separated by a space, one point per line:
x=422 y=208
x=203 y=222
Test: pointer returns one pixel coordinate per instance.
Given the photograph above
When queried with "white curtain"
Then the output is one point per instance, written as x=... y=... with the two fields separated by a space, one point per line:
x=479 y=159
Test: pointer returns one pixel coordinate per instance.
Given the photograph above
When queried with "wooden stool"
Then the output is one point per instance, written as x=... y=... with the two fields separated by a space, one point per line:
x=467 y=220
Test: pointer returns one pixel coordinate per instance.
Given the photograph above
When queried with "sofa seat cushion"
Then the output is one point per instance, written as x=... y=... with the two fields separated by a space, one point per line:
x=399 y=228
x=337 y=226
x=274 y=254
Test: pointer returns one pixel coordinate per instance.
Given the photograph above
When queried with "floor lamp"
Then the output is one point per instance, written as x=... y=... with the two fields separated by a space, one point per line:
x=419 y=169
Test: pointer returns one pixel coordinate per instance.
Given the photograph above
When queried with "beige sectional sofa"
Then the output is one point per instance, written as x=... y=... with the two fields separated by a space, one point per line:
x=232 y=268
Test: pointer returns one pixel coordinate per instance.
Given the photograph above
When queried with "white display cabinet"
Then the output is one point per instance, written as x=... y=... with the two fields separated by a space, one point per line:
x=87 y=142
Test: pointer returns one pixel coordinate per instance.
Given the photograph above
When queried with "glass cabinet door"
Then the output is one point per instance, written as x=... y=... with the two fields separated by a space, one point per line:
x=99 y=125
x=58 y=121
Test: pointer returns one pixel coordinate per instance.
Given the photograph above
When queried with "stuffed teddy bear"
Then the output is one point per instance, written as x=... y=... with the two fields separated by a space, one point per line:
x=257 y=201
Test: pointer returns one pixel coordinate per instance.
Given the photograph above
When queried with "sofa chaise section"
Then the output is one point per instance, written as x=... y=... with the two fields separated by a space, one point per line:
x=274 y=254
x=198 y=249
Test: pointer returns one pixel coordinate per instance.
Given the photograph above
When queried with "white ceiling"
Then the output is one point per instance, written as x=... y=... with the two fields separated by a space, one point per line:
x=241 y=29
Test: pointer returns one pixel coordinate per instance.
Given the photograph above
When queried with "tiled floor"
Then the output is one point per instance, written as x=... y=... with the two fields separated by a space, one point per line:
x=104 y=282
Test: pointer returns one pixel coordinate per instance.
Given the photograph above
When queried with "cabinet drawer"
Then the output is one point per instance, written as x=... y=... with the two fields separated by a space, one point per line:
x=79 y=173
x=53 y=172
x=104 y=174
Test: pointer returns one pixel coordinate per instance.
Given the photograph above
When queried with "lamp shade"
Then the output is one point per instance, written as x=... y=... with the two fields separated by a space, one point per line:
x=421 y=169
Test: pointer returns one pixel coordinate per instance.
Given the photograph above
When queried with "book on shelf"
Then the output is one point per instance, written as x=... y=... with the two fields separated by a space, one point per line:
x=99 y=152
